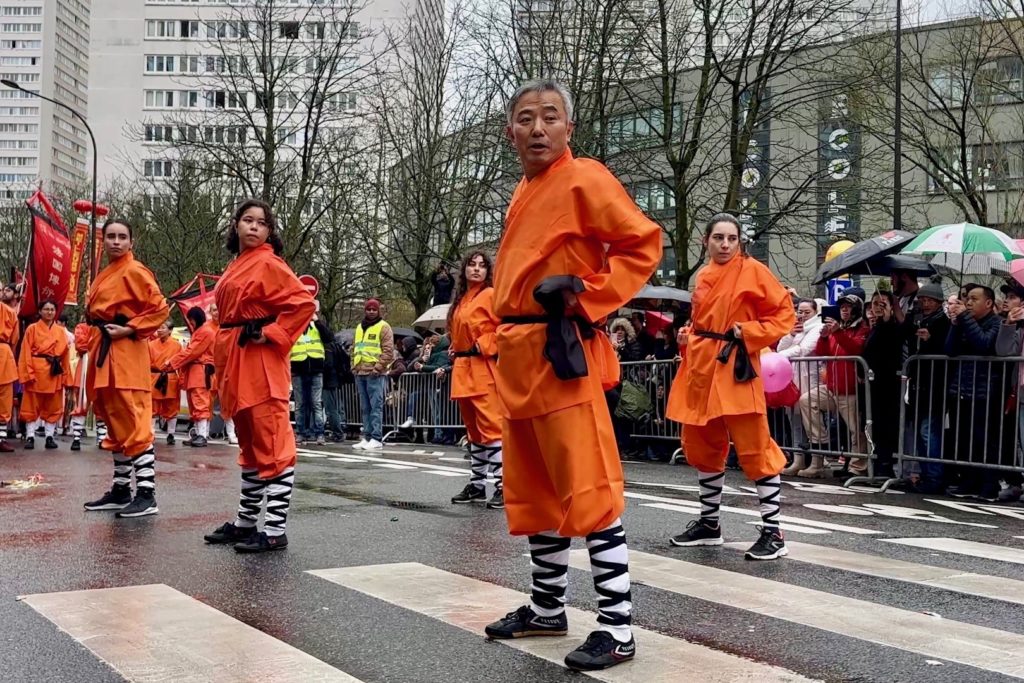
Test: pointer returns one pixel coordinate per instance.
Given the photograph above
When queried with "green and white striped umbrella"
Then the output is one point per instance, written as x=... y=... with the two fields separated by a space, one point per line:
x=964 y=239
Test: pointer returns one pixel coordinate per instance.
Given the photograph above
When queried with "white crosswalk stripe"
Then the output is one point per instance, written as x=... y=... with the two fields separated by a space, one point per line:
x=471 y=604
x=155 y=633
x=960 y=547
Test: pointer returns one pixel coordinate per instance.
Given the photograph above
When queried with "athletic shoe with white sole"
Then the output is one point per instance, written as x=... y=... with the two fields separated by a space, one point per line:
x=770 y=546
x=116 y=498
x=699 y=532
x=142 y=505
x=600 y=651
x=524 y=623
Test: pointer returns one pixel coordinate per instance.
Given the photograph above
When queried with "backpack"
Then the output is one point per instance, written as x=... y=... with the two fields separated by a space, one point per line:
x=634 y=403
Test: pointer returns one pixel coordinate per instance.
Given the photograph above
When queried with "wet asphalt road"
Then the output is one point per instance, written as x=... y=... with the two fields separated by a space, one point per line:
x=360 y=513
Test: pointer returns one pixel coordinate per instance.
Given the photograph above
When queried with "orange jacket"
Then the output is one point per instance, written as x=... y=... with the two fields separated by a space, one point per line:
x=10 y=332
x=193 y=359
x=742 y=291
x=34 y=371
x=473 y=327
x=161 y=351
x=124 y=288
x=574 y=218
x=256 y=285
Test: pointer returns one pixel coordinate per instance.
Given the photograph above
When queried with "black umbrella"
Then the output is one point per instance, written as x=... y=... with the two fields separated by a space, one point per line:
x=664 y=293
x=400 y=332
x=884 y=265
x=865 y=250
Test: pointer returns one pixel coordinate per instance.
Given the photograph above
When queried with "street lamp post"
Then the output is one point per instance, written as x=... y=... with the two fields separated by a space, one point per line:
x=897 y=179
x=95 y=162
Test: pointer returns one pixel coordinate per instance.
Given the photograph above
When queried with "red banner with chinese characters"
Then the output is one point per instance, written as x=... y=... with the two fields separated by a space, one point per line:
x=79 y=238
x=197 y=292
x=49 y=258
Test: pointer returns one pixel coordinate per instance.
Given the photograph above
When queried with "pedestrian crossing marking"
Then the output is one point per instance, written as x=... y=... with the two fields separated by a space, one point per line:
x=695 y=510
x=371 y=459
x=444 y=474
x=993 y=587
x=393 y=466
x=972 y=548
x=155 y=633
x=977 y=646
x=471 y=604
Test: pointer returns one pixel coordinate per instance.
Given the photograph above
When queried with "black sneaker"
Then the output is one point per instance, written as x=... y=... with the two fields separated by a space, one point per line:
x=699 y=532
x=261 y=543
x=196 y=442
x=770 y=546
x=601 y=651
x=470 y=494
x=497 y=501
x=76 y=444
x=524 y=622
x=956 y=491
x=30 y=443
x=50 y=443
x=229 y=533
x=170 y=439
x=143 y=504
x=116 y=498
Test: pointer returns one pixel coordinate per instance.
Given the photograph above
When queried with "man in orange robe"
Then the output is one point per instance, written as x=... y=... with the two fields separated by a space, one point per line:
x=739 y=309
x=44 y=367
x=166 y=395
x=575 y=249
x=10 y=332
x=195 y=362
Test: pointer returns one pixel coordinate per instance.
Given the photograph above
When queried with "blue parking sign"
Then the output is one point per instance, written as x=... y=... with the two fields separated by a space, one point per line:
x=834 y=289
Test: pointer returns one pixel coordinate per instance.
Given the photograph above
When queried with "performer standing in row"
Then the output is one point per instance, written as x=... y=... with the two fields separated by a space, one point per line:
x=739 y=308
x=10 y=333
x=220 y=354
x=263 y=310
x=80 y=406
x=44 y=367
x=166 y=395
x=195 y=363
x=575 y=249
x=472 y=325
x=125 y=308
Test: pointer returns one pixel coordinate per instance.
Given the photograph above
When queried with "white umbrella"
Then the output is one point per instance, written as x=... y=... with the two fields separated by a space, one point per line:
x=436 y=318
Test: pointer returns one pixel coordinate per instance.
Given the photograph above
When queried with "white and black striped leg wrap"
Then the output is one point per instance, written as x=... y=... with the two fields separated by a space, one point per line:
x=77 y=426
x=549 y=568
x=145 y=469
x=769 y=490
x=279 y=496
x=478 y=464
x=122 y=470
x=609 y=563
x=3 y=432
x=710 y=495
x=250 y=502
x=493 y=453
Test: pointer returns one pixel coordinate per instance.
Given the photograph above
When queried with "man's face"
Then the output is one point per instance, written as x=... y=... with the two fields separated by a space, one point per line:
x=845 y=311
x=804 y=312
x=372 y=312
x=7 y=295
x=1012 y=301
x=978 y=304
x=540 y=130
x=929 y=305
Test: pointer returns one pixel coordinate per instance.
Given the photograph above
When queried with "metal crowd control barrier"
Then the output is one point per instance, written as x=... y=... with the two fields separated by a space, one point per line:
x=655 y=379
x=833 y=416
x=963 y=411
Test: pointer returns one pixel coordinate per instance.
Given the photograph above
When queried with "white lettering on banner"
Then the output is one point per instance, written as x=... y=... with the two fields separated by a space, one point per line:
x=57 y=265
x=58 y=252
x=892 y=511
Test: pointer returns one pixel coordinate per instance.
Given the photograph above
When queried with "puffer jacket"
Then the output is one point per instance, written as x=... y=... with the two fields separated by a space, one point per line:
x=841 y=376
x=970 y=337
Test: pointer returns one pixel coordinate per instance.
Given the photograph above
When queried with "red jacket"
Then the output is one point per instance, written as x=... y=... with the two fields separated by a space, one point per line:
x=841 y=375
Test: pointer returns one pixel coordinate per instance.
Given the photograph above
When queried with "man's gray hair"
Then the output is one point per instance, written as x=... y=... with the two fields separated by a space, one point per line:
x=540 y=86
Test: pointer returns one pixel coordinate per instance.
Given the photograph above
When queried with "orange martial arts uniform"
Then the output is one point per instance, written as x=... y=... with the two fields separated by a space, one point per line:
x=473 y=331
x=166 y=403
x=256 y=379
x=192 y=361
x=712 y=407
x=562 y=469
x=120 y=389
x=9 y=335
x=43 y=347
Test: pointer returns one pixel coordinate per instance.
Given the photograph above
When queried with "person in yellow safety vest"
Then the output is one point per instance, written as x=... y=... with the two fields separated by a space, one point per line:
x=372 y=354
x=308 y=381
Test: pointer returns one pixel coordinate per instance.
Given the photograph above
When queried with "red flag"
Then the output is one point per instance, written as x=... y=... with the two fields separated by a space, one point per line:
x=197 y=292
x=49 y=260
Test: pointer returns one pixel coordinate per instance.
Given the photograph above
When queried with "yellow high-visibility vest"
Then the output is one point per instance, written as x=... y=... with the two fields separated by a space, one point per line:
x=367 y=344
x=308 y=345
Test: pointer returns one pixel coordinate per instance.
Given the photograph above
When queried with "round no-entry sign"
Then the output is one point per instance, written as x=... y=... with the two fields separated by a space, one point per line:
x=311 y=284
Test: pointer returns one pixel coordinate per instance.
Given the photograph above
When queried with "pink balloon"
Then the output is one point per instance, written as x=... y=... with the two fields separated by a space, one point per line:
x=776 y=372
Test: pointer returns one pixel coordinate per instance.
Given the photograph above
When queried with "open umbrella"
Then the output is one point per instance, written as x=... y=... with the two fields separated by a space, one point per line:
x=855 y=257
x=434 y=318
x=400 y=332
x=663 y=293
x=885 y=265
x=966 y=248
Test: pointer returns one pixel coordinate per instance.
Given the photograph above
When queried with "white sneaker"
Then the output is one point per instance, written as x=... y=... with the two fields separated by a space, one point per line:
x=361 y=445
x=374 y=445
x=233 y=440
x=408 y=423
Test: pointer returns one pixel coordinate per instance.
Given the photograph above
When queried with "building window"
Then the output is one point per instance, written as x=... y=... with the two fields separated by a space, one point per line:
x=653 y=196
x=160 y=63
x=9 y=11
x=155 y=133
x=159 y=28
x=21 y=28
x=160 y=99
x=21 y=44
x=189 y=28
x=315 y=31
x=157 y=168
x=290 y=30
x=343 y=101
x=349 y=30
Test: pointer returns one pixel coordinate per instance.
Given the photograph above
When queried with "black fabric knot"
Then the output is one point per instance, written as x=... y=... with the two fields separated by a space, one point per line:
x=743 y=369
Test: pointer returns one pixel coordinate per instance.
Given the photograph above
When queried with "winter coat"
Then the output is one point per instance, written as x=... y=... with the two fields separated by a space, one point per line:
x=841 y=376
x=970 y=337
x=793 y=346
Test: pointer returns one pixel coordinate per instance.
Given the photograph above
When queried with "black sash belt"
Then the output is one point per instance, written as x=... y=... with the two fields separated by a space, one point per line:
x=251 y=329
x=56 y=368
x=161 y=381
x=743 y=370
x=466 y=354
x=208 y=371
x=106 y=341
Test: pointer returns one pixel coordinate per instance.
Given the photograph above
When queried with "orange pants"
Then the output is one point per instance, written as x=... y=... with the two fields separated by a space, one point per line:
x=480 y=415
x=562 y=472
x=128 y=414
x=165 y=407
x=265 y=438
x=48 y=406
x=198 y=403
x=6 y=403
x=707 y=446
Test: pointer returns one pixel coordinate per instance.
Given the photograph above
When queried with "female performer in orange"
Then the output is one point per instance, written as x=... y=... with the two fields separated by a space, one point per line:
x=195 y=362
x=263 y=309
x=125 y=308
x=44 y=368
x=166 y=395
x=472 y=325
